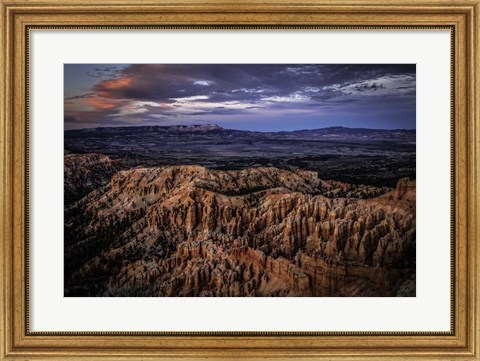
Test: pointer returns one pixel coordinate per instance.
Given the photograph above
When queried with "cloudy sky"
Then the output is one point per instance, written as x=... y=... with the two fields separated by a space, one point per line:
x=261 y=97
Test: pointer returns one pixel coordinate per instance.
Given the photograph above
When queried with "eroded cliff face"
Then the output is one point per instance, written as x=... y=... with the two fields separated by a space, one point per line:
x=191 y=231
x=85 y=172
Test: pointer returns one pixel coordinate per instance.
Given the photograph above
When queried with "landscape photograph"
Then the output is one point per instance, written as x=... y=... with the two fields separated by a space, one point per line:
x=239 y=180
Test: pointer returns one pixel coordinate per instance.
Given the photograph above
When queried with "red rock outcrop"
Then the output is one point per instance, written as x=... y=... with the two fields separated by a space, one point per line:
x=85 y=172
x=190 y=231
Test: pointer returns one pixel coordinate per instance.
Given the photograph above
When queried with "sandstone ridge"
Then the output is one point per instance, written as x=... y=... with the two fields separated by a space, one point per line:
x=193 y=231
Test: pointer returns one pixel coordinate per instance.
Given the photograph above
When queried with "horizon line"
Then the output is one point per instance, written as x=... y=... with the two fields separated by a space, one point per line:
x=243 y=130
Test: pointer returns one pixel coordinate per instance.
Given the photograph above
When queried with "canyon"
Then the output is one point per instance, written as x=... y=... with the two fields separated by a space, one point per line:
x=192 y=230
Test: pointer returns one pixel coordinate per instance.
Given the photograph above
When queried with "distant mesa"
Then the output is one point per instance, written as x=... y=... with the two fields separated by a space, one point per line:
x=196 y=127
x=328 y=133
x=148 y=128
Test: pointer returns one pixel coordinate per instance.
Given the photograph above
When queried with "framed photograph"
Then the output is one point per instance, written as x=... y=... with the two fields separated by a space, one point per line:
x=239 y=180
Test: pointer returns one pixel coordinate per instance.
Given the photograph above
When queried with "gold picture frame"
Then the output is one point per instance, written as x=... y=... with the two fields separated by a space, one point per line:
x=19 y=17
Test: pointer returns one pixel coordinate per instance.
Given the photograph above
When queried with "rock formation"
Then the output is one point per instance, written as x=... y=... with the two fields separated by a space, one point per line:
x=85 y=172
x=192 y=231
